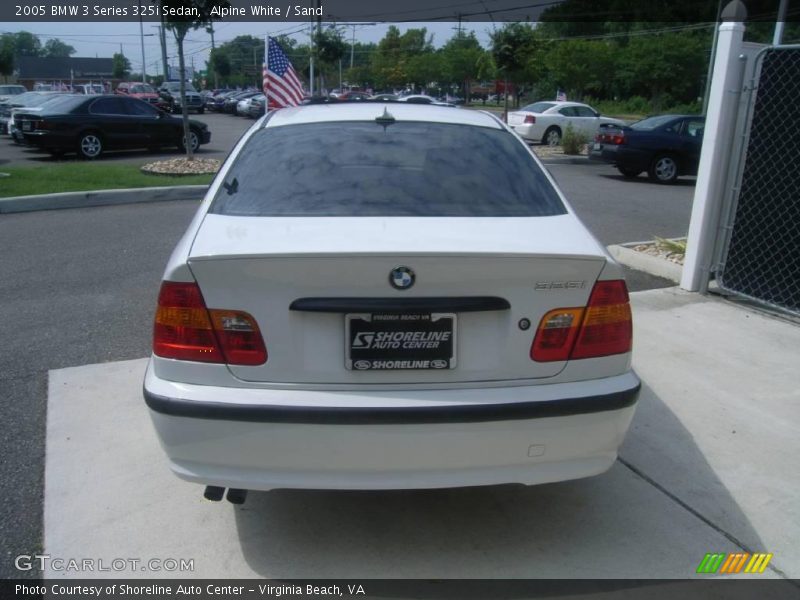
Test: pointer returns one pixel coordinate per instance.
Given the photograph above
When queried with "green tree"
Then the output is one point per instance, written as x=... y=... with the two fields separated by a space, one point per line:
x=513 y=47
x=198 y=15
x=55 y=48
x=6 y=55
x=220 y=64
x=121 y=66
x=665 y=68
x=580 y=66
x=392 y=61
x=245 y=54
x=26 y=44
x=461 y=55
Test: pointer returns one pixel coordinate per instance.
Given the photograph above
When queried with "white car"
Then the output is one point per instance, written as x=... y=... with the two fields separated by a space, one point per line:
x=9 y=91
x=362 y=301
x=546 y=122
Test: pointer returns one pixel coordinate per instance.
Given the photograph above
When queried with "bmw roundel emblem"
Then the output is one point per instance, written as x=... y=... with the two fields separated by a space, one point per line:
x=401 y=278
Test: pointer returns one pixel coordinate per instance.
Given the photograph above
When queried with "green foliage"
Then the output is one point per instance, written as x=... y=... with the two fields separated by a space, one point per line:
x=26 y=44
x=55 y=48
x=675 y=246
x=220 y=63
x=330 y=46
x=572 y=142
x=6 y=54
x=513 y=49
x=121 y=66
x=397 y=61
x=581 y=66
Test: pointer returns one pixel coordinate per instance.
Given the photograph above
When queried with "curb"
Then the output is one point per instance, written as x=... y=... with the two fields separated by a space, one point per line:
x=565 y=160
x=640 y=261
x=18 y=204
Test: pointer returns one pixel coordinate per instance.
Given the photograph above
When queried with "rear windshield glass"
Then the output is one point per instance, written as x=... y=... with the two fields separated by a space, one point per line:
x=63 y=104
x=651 y=123
x=366 y=169
x=538 y=107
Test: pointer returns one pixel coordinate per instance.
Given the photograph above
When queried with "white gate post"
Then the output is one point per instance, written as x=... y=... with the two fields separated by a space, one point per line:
x=715 y=155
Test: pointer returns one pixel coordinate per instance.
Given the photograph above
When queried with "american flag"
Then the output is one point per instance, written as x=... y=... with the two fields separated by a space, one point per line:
x=281 y=85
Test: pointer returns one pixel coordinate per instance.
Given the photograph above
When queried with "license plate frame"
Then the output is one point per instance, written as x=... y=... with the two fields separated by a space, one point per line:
x=400 y=342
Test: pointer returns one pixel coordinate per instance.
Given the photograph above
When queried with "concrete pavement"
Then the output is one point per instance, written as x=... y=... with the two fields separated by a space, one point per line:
x=709 y=465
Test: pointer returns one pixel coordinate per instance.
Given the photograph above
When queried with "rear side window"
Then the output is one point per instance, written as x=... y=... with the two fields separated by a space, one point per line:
x=365 y=169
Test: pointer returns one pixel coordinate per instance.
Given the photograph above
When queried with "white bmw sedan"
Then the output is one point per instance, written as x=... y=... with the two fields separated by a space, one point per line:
x=546 y=122
x=366 y=301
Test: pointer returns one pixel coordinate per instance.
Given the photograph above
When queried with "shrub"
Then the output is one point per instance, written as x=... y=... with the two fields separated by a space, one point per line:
x=573 y=141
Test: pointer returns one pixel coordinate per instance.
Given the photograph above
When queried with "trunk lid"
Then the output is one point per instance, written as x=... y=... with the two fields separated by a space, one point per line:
x=262 y=265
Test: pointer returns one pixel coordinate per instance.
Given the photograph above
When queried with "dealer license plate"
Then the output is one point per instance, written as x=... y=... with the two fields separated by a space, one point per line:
x=395 y=342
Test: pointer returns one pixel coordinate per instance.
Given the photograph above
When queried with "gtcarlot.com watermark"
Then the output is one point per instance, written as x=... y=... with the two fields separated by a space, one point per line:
x=45 y=562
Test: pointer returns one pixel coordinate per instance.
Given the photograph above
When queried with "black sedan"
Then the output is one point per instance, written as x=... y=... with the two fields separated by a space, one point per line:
x=665 y=147
x=90 y=125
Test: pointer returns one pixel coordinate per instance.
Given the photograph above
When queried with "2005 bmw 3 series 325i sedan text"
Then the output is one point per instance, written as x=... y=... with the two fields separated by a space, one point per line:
x=377 y=296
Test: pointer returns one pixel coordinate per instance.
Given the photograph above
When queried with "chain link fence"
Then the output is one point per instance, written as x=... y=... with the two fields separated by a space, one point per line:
x=761 y=256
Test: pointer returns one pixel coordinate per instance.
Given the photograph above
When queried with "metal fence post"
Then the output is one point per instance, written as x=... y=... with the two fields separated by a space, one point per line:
x=715 y=155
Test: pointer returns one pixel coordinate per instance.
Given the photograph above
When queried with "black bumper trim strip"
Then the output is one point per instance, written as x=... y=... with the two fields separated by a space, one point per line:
x=391 y=415
x=372 y=305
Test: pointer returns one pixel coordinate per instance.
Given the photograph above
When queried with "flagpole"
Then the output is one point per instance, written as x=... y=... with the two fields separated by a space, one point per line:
x=266 y=74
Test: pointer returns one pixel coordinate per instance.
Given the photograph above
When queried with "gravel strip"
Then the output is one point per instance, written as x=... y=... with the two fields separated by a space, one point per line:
x=182 y=166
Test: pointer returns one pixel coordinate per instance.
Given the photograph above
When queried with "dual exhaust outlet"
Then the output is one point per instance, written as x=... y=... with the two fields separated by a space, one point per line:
x=215 y=494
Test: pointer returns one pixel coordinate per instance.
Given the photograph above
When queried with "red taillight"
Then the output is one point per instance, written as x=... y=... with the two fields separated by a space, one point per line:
x=607 y=138
x=603 y=328
x=530 y=119
x=186 y=330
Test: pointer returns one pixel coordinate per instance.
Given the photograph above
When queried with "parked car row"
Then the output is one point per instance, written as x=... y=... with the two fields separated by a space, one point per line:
x=91 y=125
x=664 y=146
x=244 y=103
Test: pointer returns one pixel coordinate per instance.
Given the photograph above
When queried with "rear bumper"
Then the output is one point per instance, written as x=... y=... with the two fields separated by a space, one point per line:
x=265 y=439
x=622 y=156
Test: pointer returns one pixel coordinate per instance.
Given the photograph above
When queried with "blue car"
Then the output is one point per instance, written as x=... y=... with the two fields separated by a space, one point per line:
x=665 y=146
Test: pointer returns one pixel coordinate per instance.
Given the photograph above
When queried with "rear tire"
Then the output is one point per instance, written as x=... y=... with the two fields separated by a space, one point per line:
x=628 y=173
x=552 y=137
x=90 y=145
x=663 y=169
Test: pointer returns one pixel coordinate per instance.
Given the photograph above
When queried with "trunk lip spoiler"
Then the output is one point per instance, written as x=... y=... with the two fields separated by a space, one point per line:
x=432 y=304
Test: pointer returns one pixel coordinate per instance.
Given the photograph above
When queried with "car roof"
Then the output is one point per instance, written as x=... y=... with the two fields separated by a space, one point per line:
x=369 y=111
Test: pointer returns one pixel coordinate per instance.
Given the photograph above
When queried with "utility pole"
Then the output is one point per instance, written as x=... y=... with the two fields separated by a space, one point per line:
x=311 y=64
x=319 y=33
x=210 y=29
x=352 y=44
x=141 y=38
x=163 y=36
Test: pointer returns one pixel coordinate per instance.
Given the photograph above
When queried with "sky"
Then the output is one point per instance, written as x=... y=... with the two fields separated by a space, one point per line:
x=89 y=42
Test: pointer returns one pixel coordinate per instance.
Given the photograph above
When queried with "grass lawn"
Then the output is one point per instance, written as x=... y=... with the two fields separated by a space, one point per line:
x=83 y=176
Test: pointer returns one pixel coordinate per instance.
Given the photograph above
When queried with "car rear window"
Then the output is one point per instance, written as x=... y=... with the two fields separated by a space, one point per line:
x=367 y=169
x=651 y=123
x=538 y=107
